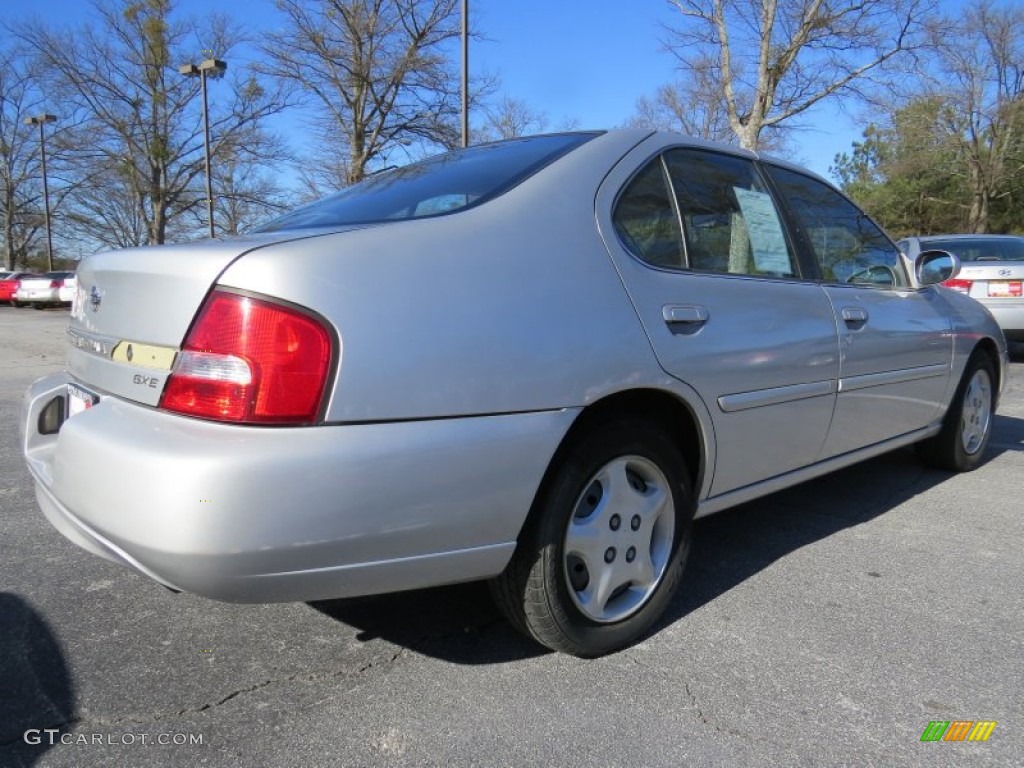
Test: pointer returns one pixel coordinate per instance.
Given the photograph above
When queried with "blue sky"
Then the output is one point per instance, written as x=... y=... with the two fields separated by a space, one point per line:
x=587 y=60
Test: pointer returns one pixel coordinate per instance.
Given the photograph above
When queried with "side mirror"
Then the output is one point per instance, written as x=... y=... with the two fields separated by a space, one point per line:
x=933 y=267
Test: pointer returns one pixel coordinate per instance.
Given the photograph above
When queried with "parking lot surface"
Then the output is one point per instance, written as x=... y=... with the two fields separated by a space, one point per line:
x=825 y=625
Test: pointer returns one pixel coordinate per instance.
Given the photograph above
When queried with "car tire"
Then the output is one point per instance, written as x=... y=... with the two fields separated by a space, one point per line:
x=16 y=304
x=960 y=445
x=606 y=541
x=38 y=305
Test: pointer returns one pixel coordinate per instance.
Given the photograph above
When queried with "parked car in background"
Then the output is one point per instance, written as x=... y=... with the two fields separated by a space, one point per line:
x=43 y=290
x=533 y=361
x=66 y=291
x=992 y=271
x=9 y=285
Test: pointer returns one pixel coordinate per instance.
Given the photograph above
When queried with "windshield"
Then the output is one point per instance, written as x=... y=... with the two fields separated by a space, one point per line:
x=982 y=249
x=440 y=185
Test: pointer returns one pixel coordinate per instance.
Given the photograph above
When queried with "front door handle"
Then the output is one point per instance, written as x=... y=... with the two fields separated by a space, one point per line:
x=688 y=314
x=855 y=315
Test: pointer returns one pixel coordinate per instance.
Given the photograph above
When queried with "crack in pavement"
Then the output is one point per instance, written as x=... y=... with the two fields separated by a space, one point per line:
x=707 y=721
x=76 y=722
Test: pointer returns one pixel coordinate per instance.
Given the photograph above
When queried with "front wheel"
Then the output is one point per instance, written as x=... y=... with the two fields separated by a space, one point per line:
x=968 y=424
x=606 y=543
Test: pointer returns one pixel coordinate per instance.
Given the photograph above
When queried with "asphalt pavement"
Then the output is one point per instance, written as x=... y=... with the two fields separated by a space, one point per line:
x=826 y=625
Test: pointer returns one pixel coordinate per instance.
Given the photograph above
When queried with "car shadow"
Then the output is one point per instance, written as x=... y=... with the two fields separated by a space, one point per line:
x=37 y=704
x=457 y=623
x=460 y=623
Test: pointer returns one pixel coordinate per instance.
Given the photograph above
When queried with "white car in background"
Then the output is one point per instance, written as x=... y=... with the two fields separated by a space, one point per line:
x=46 y=290
x=66 y=291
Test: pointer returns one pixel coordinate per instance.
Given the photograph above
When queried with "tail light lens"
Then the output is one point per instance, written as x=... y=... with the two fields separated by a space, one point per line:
x=250 y=361
x=960 y=286
x=55 y=283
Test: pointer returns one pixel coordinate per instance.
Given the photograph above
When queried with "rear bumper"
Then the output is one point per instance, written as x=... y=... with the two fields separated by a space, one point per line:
x=37 y=297
x=1009 y=313
x=249 y=514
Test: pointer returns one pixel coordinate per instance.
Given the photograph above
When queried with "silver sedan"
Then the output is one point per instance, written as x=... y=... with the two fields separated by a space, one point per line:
x=534 y=361
x=992 y=273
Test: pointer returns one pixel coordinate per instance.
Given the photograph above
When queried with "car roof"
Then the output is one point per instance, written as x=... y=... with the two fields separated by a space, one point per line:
x=968 y=237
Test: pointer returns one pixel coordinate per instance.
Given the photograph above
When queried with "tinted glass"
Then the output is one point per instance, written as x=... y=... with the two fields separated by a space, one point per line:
x=436 y=186
x=646 y=221
x=849 y=247
x=730 y=222
x=1001 y=249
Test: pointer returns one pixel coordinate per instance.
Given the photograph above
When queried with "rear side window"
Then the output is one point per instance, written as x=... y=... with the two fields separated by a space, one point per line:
x=646 y=221
x=849 y=247
x=1001 y=249
x=703 y=211
x=729 y=218
x=434 y=187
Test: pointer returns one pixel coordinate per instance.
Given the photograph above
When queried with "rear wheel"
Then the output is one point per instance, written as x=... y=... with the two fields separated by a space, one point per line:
x=606 y=543
x=960 y=445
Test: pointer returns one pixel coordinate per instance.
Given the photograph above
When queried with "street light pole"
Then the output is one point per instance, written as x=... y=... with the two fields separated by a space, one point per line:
x=465 y=73
x=211 y=68
x=41 y=120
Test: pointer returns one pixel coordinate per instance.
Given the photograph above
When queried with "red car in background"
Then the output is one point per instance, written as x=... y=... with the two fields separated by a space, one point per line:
x=9 y=284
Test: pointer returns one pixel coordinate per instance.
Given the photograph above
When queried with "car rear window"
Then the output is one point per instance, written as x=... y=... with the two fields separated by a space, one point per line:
x=436 y=186
x=1008 y=249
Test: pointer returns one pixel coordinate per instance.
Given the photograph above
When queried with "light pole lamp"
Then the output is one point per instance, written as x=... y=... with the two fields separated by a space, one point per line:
x=209 y=68
x=41 y=120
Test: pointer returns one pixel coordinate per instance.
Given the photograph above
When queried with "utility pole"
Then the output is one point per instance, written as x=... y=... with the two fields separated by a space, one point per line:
x=211 y=68
x=41 y=120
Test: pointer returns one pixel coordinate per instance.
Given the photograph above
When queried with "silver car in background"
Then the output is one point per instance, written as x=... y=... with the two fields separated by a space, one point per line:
x=992 y=271
x=533 y=361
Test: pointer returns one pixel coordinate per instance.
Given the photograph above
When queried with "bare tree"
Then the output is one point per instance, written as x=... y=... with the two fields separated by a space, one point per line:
x=107 y=209
x=378 y=71
x=509 y=118
x=247 y=193
x=20 y=173
x=142 y=125
x=978 y=74
x=686 y=108
x=769 y=61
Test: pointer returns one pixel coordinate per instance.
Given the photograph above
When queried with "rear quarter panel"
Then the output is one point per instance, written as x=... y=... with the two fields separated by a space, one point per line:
x=510 y=306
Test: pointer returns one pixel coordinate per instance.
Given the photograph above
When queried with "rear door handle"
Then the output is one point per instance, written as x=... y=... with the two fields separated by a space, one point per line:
x=855 y=315
x=687 y=314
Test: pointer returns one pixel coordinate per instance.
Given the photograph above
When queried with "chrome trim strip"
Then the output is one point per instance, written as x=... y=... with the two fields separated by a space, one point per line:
x=93 y=343
x=864 y=381
x=742 y=401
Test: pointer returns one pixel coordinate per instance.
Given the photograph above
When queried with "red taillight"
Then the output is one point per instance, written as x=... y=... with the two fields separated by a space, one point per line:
x=55 y=283
x=960 y=286
x=250 y=361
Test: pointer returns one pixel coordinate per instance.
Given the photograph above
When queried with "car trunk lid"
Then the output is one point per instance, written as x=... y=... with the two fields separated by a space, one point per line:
x=133 y=308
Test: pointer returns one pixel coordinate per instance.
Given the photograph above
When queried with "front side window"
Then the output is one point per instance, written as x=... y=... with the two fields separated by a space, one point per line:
x=849 y=247
x=434 y=187
x=729 y=218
